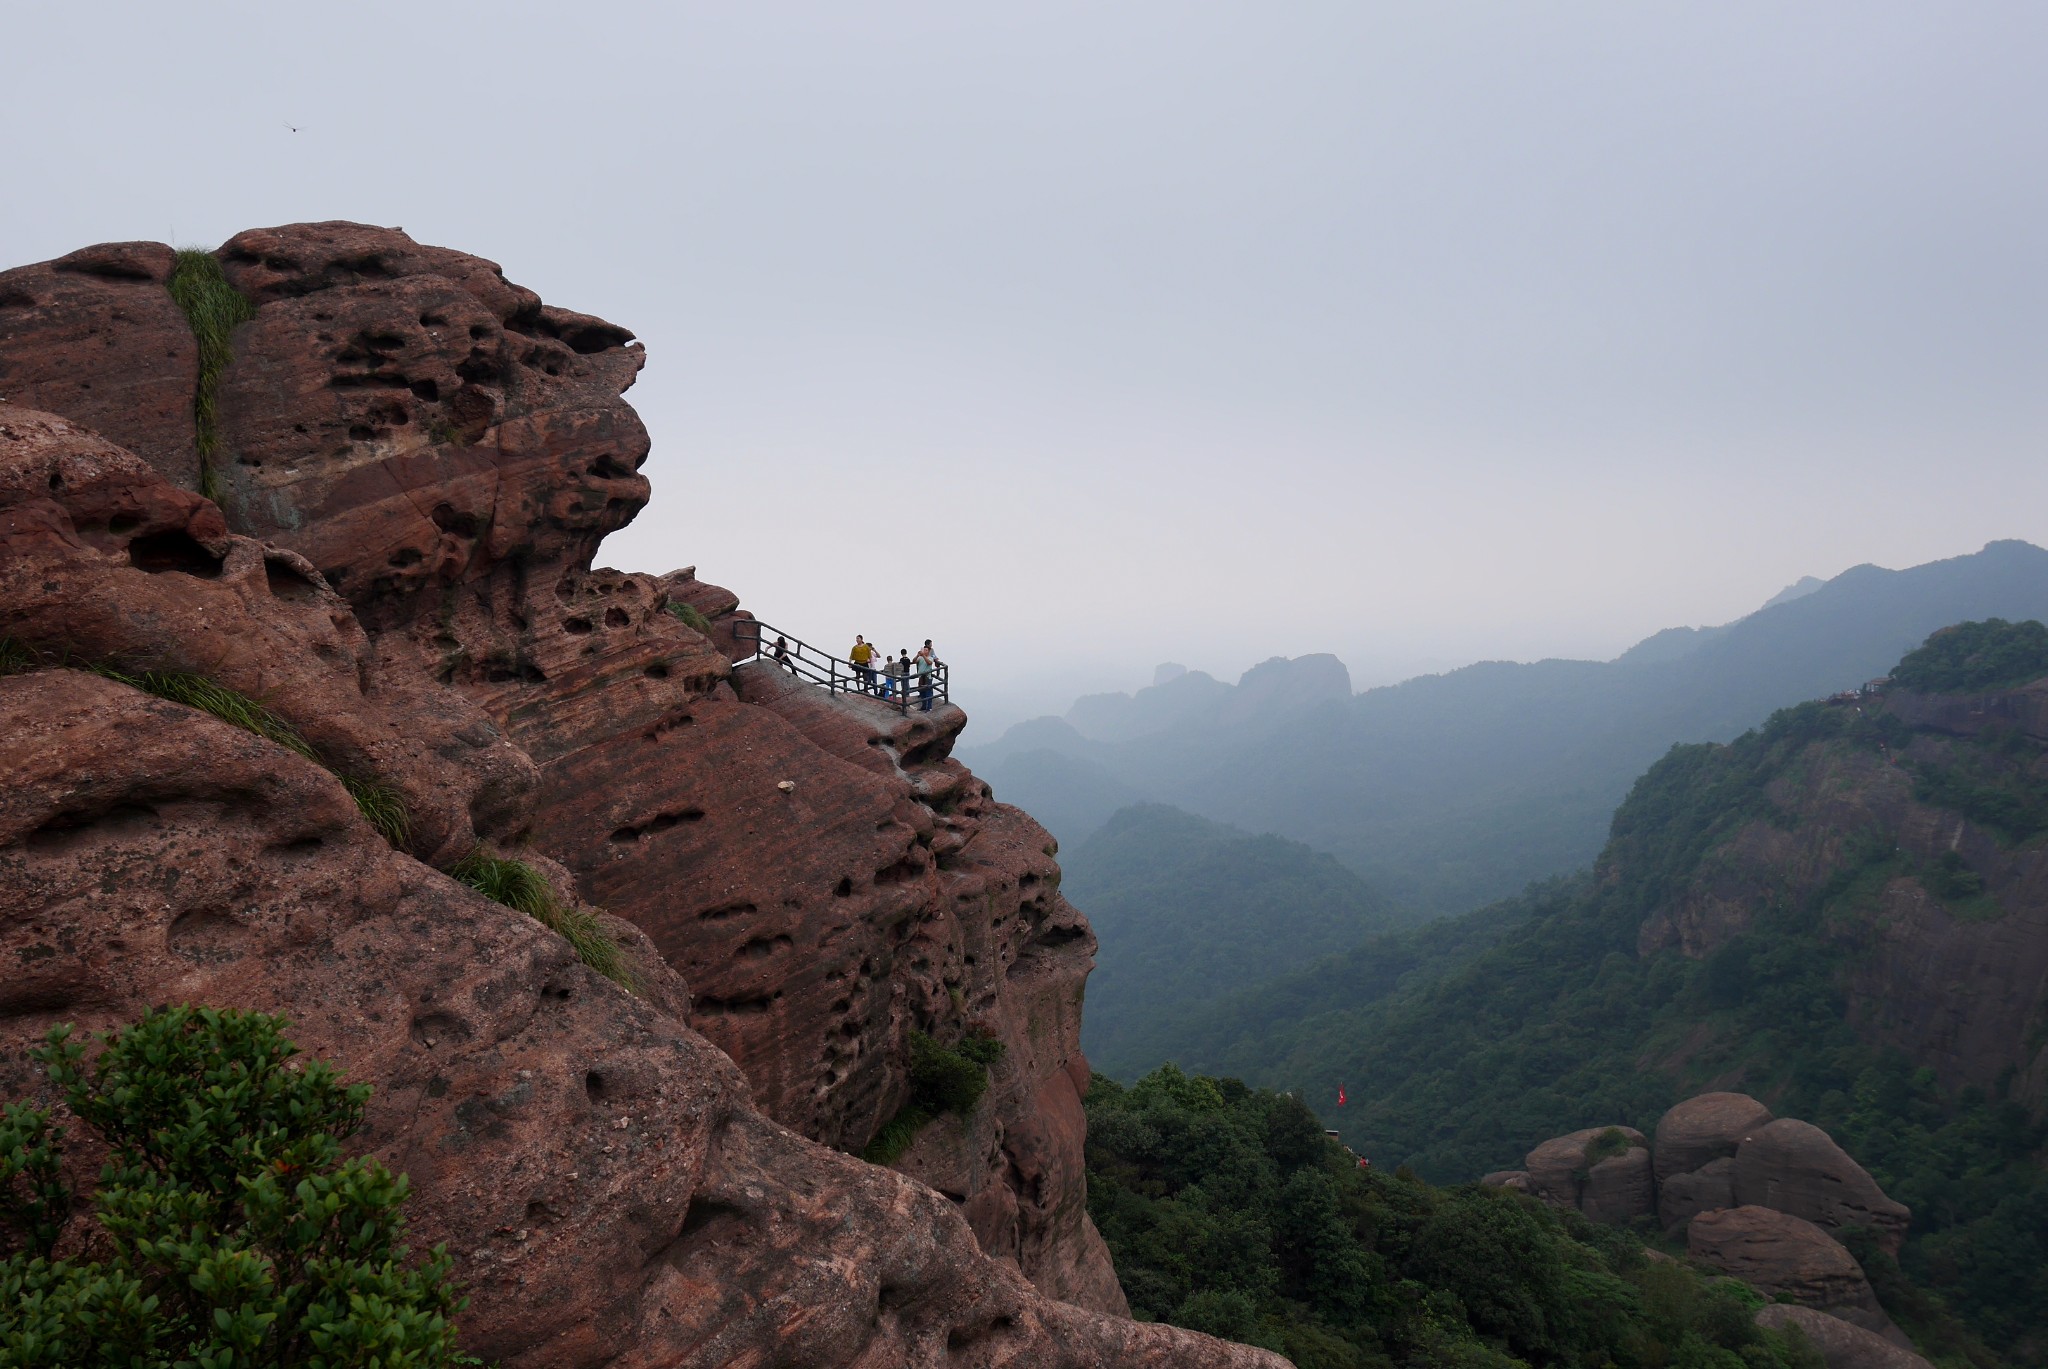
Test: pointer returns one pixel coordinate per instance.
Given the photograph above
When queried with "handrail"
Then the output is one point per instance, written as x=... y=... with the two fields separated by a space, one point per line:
x=807 y=662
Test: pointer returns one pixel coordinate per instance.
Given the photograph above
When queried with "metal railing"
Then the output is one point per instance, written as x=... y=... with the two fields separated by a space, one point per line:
x=901 y=692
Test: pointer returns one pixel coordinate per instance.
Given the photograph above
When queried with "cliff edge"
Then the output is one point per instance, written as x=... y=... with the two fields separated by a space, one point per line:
x=407 y=465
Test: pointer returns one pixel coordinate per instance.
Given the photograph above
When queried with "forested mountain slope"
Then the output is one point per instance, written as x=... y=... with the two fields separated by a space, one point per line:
x=1452 y=790
x=1844 y=913
x=1186 y=910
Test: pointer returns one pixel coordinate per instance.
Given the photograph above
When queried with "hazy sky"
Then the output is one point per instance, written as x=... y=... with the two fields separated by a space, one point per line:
x=1083 y=336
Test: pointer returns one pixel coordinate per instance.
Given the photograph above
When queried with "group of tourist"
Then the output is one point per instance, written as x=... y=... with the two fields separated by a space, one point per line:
x=891 y=678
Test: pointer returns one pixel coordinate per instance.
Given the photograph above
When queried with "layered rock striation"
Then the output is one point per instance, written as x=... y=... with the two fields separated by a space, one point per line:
x=416 y=461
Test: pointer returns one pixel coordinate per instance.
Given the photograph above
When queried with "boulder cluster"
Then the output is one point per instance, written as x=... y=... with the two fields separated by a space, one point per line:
x=1757 y=1196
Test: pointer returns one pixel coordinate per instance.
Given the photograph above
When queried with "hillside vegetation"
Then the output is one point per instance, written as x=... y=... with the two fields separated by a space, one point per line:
x=1741 y=930
x=1186 y=908
x=1227 y=1210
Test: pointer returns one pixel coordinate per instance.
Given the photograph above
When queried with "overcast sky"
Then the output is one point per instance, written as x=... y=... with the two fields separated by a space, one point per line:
x=1085 y=336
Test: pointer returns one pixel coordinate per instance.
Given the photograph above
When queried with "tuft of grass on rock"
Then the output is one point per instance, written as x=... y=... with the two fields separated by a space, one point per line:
x=522 y=888
x=381 y=805
x=690 y=615
x=230 y=706
x=213 y=309
x=16 y=658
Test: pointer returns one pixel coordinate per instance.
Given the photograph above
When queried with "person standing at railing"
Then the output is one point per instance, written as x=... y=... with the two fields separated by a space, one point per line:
x=782 y=654
x=927 y=664
x=863 y=658
x=900 y=670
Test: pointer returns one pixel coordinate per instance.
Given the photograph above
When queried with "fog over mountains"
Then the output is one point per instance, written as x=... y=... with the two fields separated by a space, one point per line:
x=1447 y=791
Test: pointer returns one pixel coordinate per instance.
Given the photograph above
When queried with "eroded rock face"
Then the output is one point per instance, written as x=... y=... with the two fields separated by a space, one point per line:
x=597 y=1170
x=97 y=337
x=435 y=455
x=1841 y=1344
x=1796 y=1167
x=1779 y=1253
x=102 y=562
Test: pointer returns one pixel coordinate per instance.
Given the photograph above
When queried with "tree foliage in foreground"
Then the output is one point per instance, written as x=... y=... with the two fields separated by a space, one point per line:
x=1227 y=1210
x=229 y=1231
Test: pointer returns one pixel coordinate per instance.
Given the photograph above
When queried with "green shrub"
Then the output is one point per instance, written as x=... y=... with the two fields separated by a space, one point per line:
x=518 y=885
x=214 y=309
x=1606 y=1146
x=233 y=1231
x=942 y=1080
x=15 y=658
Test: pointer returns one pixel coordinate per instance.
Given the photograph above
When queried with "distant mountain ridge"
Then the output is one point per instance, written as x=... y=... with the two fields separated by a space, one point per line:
x=1448 y=791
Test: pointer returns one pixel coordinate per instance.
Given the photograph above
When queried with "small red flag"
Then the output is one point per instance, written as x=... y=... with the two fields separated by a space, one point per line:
x=1340 y=1095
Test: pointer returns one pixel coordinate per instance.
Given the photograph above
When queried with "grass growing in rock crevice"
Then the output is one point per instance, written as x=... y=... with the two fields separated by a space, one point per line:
x=942 y=1080
x=690 y=615
x=519 y=886
x=214 y=309
x=381 y=805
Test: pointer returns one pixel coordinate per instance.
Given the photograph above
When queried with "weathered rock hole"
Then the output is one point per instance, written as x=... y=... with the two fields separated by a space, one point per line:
x=477 y=332
x=68 y=829
x=210 y=936
x=594 y=1085
x=439 y=1028
x=726 y=910
x=616 y=617
x=902 y=871
x=751 y=1005
x=361 y=432
x=286 y=582
x=844 y=888
x=426 y=390
x=607 y=467
x=761 y=947
x=173 y=550
x=405 y=556
x=462 y=523
x=576 y=627
x=657 y=671
x=122 y=523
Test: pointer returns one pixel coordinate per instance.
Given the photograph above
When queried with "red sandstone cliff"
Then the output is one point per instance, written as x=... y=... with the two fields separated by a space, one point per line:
x=417 y=461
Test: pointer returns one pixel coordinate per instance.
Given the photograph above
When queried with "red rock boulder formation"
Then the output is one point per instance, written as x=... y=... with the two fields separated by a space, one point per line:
x=1705 y=1128
x=402 y=426
x=607 y=1190
x=1578 y=1171
x=1796 y=1167
x=1682 y=1197
x=1778 y=1253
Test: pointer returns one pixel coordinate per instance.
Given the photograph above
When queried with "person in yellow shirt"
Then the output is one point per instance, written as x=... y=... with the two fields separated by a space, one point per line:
x=863 y=658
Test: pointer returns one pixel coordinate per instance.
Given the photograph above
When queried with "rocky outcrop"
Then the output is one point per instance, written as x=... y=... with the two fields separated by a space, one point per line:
x=1603 y=1171
x=419 y=460
x=1796 y=1167
x=606 y=1187
x=1777 y=1253
x=1714 y=1151
x=96 y=336
x=1705 y=1128
x=1842 y=1345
